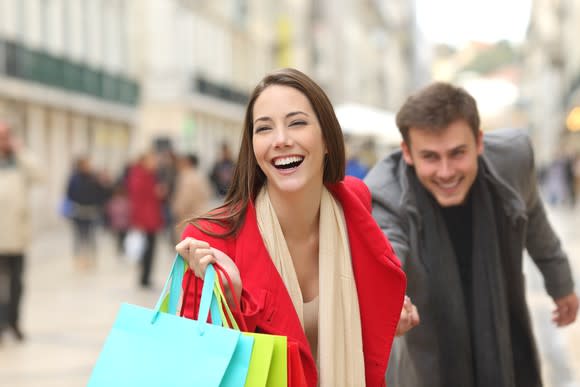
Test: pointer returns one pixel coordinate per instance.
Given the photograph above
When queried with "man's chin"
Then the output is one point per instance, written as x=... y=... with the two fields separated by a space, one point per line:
x=450 y=201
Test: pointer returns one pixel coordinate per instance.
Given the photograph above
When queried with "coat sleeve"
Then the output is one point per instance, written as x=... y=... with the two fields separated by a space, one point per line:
x=251 y=305
x=387 y=210
x=542 y=243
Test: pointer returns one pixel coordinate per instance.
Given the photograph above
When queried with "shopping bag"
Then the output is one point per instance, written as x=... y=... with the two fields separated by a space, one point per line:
x=66 y=208
x=268 y=365
x=134 y=245
x=152 y=348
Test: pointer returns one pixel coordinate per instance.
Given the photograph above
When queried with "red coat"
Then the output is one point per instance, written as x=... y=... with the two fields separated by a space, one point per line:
x=380 y=282
x=146 y=204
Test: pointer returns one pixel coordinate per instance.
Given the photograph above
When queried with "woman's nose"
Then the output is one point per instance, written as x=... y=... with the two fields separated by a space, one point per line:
x=282 y=138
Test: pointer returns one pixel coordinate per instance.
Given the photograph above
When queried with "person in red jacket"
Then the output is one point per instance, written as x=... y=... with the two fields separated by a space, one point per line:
x=146 y=196
x=298 y=240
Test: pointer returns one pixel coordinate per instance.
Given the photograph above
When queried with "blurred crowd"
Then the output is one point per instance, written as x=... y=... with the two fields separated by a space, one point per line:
x=157 y=192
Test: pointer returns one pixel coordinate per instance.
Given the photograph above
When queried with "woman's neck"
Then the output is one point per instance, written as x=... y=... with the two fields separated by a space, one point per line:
x=298 y=213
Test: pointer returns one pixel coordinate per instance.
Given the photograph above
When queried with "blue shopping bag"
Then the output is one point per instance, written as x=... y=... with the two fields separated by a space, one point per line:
x=153 y=348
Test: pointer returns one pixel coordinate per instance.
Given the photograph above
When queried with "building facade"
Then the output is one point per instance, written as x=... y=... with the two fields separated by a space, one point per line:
x=66 y=85
x=111 y=78
x=551 y=86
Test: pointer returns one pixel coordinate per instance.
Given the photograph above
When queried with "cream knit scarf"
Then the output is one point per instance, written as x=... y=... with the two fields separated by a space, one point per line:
x=339 y=331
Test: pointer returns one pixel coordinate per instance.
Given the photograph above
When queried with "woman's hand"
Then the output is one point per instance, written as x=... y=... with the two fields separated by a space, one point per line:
x=409 y=318
x=198 y=254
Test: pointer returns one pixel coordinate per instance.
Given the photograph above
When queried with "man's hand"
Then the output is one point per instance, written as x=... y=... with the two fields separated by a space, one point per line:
x=409 y=318
x=566 y=310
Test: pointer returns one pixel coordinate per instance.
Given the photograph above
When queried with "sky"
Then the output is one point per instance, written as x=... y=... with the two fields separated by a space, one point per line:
x=456 y=22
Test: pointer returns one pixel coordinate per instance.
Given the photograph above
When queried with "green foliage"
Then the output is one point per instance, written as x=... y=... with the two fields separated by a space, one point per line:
x=492 y=59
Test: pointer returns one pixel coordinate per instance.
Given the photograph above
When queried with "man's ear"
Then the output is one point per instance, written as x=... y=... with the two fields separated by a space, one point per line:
x=406 y=153
x=479 y=142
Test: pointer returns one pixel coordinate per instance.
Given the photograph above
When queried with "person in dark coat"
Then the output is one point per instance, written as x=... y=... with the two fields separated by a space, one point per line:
x=87 y=194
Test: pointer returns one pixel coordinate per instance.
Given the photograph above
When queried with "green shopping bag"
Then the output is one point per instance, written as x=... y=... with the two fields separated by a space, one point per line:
x=268 y=364
x=150 y=348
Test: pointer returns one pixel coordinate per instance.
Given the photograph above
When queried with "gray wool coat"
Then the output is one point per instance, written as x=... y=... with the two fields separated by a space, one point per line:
x=509 y=159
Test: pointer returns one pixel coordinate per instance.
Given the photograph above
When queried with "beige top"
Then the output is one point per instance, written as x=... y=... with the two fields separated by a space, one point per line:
x=311 y=326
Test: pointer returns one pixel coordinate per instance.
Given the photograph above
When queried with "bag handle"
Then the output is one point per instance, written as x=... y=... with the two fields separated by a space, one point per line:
x=224 y=303
x=176 y=278
x=221 y=313
x=216 y=304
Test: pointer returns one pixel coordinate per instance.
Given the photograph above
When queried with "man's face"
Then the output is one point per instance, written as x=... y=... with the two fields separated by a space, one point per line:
x=445 y=160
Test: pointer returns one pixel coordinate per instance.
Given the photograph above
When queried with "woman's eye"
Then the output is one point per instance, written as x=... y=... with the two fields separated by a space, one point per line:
x=261 y=129
x=298 y=123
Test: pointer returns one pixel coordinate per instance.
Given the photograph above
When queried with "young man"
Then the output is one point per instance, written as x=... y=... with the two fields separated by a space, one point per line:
x=459 y=209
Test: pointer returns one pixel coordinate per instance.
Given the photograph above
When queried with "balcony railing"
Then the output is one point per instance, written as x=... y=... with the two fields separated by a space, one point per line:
x=19 y=61
x=203 y=86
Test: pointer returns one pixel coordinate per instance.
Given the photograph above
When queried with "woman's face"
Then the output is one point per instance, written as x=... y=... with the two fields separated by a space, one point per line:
x=287 y=140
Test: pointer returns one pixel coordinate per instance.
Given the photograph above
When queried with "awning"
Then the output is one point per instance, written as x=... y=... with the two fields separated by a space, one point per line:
x=361 y=120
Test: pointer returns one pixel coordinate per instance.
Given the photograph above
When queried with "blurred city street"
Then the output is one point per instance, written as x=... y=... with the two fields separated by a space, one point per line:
x=67 y=313
x=142 y=100
x=559 y=347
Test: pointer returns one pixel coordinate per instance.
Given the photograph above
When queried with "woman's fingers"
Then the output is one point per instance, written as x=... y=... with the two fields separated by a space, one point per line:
x=188 y=245
x=197 y=254
x=202 y=265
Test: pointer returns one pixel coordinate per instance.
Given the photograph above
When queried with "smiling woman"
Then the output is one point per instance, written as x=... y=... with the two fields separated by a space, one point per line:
x=299 y=242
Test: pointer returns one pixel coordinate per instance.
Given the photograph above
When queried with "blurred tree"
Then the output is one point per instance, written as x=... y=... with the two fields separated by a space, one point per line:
x=497 y=56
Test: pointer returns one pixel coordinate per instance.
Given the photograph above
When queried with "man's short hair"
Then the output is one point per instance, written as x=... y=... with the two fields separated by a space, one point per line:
x=435 y=107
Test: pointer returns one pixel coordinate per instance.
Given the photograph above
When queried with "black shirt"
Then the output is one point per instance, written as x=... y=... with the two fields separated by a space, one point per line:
x=459 y=222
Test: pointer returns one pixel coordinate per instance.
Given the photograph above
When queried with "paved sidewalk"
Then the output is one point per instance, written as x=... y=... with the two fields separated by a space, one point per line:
x=67 y=313
x=559 y=347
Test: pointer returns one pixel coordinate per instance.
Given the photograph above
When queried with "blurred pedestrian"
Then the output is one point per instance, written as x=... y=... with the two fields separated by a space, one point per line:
x=167 y=175
x=570 y=179
x=556 y=181
x=146 y=196
x=459 y=208
x=192 y=191
x=118 y=209
x=354 y=166
x=87 y=194
x=576 y=173
x=18 y=171
x=223 y=171
x=299 y=242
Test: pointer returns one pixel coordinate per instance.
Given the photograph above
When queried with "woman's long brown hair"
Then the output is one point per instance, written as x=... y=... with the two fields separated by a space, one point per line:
x=248 y=177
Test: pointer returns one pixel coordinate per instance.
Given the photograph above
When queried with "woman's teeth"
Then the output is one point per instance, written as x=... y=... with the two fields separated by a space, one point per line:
x=288 y=162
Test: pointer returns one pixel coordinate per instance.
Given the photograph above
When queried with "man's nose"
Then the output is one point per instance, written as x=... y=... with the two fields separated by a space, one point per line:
x=446 y=169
